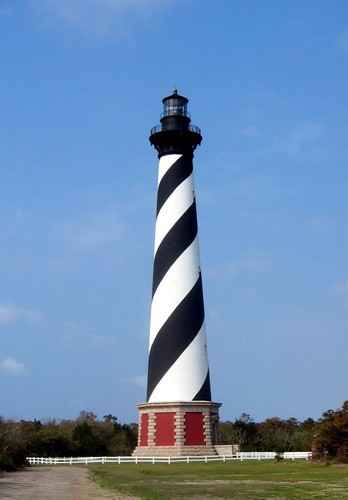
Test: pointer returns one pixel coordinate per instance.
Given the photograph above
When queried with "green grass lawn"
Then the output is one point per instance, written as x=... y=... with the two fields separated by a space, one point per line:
x=234 y=480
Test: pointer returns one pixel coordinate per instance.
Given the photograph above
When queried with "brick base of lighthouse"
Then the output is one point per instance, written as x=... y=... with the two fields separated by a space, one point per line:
x=177 y=429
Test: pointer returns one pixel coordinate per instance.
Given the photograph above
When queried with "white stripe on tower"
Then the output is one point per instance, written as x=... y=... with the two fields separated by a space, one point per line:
x=178 y=363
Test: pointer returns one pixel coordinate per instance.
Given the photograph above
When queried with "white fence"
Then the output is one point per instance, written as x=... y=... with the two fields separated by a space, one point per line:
x=247 y=455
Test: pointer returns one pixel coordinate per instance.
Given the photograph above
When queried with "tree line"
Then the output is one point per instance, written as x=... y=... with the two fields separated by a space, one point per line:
x=85 y=436
x=89 y=436
x=326 y=438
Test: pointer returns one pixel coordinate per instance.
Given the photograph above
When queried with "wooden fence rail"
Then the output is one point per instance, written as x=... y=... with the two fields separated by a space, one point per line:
x=247 y=455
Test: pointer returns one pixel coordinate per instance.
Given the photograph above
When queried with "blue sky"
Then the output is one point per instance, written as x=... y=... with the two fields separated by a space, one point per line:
x=81 y=84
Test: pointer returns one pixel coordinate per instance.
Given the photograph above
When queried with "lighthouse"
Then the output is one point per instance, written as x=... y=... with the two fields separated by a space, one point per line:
x=179 y=417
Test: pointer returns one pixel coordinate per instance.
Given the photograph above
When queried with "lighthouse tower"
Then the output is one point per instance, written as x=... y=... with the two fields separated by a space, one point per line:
x=179 y=417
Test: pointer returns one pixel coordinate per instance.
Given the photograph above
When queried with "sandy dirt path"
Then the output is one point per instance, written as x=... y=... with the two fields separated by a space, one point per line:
x=53 y=483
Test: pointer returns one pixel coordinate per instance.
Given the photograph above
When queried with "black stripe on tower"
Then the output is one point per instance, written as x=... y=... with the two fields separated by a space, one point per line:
x=176 y=241
x=177 y=173
x=204 y=394
x=175 y=336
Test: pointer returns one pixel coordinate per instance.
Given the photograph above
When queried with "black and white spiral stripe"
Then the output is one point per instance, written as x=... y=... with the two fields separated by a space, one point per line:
x=178 y=362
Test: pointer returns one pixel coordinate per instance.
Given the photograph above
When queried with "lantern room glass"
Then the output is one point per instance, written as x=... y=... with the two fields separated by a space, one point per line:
x=175 y=106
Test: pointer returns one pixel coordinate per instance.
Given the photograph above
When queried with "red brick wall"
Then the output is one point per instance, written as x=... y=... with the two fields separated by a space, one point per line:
x=194 y=425
x=144 y=429
x=165 y=431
